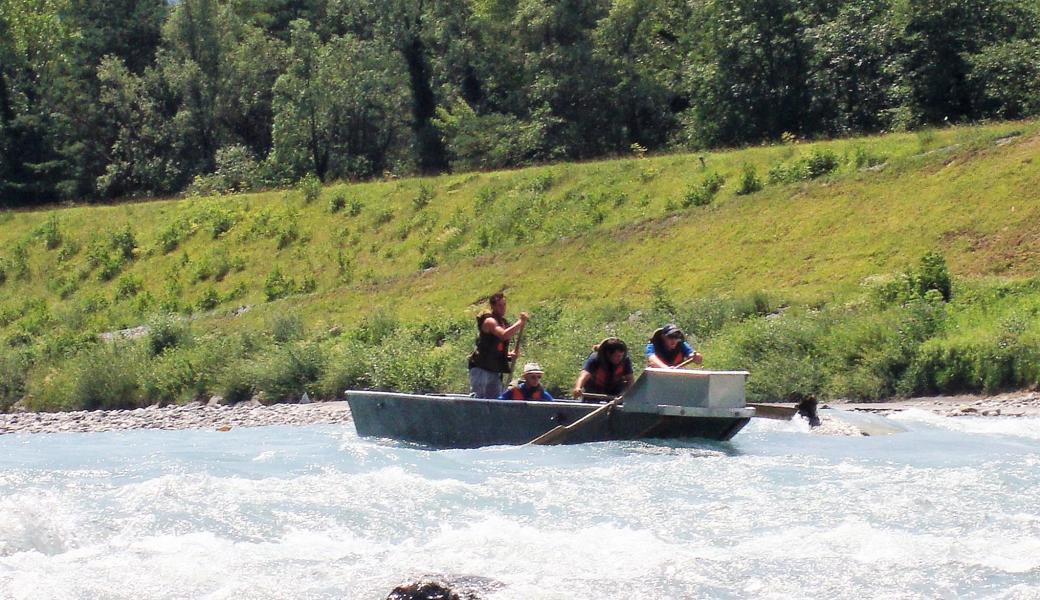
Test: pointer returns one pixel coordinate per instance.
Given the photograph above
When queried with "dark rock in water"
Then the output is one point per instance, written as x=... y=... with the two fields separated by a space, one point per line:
x=423 y=590
x=459 y=587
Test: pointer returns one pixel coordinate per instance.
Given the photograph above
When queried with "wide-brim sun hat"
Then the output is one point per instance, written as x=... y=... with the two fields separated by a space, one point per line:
x=533 y=369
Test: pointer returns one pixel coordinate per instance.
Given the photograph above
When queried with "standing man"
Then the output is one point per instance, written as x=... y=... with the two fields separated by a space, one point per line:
x=491 y=358
x=668 y=349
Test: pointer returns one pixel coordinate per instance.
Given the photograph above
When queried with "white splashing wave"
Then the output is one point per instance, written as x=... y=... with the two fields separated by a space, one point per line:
x=1024 y=427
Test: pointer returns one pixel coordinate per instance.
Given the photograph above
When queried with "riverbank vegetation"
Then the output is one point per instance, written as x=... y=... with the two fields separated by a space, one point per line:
x=103 y=99
x=864 y=267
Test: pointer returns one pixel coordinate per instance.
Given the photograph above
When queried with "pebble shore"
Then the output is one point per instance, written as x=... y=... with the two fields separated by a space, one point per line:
x=194 y=415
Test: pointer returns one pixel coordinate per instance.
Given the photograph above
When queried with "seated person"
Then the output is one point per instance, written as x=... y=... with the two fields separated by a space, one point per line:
x=668 y=349
x=607 y=371
x=529 y=387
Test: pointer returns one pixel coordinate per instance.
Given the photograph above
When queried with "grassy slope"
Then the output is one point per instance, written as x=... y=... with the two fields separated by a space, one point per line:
x=573 y=233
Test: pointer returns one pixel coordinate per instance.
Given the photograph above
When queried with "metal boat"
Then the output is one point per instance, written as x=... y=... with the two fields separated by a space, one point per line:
x=662 y=403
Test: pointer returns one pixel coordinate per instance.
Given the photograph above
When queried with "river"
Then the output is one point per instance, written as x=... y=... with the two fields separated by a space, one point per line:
x=948 y=509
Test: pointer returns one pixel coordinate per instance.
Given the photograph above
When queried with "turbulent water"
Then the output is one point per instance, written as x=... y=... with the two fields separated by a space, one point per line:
x=948 y=509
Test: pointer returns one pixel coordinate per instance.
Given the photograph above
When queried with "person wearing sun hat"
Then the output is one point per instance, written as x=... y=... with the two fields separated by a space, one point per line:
x=529 y=387
x=668 y=349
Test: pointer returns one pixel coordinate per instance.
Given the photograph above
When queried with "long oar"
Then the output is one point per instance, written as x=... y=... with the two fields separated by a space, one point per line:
x=553 y=435
x=516 y=349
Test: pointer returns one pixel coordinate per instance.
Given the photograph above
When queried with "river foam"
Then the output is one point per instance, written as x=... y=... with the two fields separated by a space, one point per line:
x=947 y=509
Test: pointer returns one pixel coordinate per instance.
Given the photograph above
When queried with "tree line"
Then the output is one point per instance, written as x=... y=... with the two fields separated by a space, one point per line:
x=113 y=98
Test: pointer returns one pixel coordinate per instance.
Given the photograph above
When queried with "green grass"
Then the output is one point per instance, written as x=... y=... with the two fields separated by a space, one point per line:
x=591 y=243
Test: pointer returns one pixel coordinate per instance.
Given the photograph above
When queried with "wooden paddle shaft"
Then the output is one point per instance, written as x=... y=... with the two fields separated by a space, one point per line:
x=556 y=433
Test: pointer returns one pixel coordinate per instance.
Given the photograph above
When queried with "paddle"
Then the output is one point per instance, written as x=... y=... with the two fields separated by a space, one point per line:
x=554 y=434
x=516 y=350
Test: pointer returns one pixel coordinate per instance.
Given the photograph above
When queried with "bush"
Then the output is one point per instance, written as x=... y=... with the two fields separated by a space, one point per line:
x=817 y=164
x=749 y=181
x=103 y=377
x=932 y=274
x=423 y=198
x=128 y=286
x=208 y=300
x=278 y=286
x=14 y=371
x=337 y=203
x=124 y=242
x=310 y=187
x=428 y=261
x=286 y=327
x=166 y=331
x=50 y=232
x=170 y=237
x=284 y=373
x=704 y=193
x=236 y=171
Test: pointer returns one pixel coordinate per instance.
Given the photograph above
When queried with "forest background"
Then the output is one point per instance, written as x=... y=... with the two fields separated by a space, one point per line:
x=104 y=99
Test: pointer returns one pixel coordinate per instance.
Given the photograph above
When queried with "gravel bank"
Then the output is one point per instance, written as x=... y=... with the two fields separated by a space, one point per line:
x=189 y=416
x=253 y=414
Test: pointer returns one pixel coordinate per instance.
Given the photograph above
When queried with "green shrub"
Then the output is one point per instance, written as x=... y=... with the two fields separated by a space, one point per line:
x=428 y=261
x=423 y=198
x=278 y=285
x=817 y=164
x=286 y=327
x=124 y=242
x=166 y=331
x=109 y=266
x=749 y=180
x=932 y=274
x=485 y=196
x=348 y=367
x=376 y=328
x=14 y=371
x=383 y=216
x=865 y=159
x=236 y=171
x=287 y=235
x=18 y=266
x=208 y=300
x=105 y=376
x=354 y=207
x=310 y=187
x=170 y=237
x=49 y=232
x=285 y=372
x=128 y=286
x=703 y=193
x=337 y=203
x=220 y=222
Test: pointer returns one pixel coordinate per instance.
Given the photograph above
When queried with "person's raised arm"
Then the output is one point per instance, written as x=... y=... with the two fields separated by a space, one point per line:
x=504 y=333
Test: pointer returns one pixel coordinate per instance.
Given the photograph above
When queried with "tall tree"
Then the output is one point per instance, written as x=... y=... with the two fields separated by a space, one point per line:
x=748 y=77
x=337 y=106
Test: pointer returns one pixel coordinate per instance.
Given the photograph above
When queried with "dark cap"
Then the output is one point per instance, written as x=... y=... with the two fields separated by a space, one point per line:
x=671 y=330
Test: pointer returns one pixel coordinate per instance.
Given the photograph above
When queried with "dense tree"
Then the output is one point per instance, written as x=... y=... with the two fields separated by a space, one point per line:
x=130 y=97
x=338 y=106
x=749 y=78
